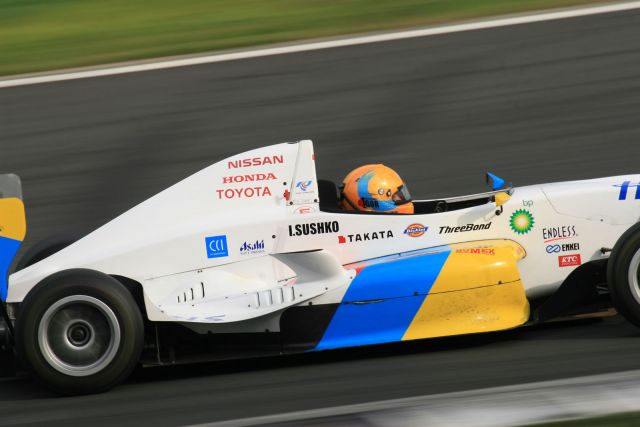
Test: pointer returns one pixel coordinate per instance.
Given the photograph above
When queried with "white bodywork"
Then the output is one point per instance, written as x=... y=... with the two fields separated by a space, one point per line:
x=171 y=243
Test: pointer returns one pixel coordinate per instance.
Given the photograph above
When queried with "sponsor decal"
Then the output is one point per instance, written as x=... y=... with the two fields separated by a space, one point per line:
x=569 y=260
x=255 y=161
x=464 y=228
x=365 y=237
x=304 y=186
x=216 y=246
x=256 y=247
x=369 y=203
x=554 y=234
x=568 y=247
x=314 y=228
x=237 y=179
x=415 y=230
x=304 y=209
x=624 y=190
x=522 y=221
x=476 y=251
x=243 y=193
x=527 y=203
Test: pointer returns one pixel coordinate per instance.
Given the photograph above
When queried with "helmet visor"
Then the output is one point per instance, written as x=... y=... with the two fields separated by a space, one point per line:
x=401 y=196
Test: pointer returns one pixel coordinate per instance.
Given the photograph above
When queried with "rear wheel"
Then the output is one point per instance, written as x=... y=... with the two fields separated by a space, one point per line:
x=79 y=331
x=623 y=275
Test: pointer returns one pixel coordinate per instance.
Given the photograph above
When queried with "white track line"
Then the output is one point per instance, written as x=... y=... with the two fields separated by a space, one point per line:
x=318 y=45
x=524 y=404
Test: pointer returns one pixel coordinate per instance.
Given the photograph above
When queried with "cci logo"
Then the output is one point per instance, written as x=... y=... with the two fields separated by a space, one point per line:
x=216 y=246
x=304 y=185
x=624 y=189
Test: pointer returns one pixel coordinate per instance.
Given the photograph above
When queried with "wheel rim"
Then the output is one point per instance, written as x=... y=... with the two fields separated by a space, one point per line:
x=79 y=335
x=634 y=276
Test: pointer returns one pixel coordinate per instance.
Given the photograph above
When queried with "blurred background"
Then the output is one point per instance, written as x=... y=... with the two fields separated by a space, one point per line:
x=555 y=100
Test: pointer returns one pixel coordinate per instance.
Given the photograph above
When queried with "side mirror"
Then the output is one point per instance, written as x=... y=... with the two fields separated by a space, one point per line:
x=495 y=181
x=500 y=199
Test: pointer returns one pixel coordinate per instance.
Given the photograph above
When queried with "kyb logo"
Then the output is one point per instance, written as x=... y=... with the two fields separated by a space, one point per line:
x=569 y=247
x=256 y=247
x=624 y=190
x=365 y=237
x=304 y=186
x=314 y=228
x=216 y=246
x=569 y=260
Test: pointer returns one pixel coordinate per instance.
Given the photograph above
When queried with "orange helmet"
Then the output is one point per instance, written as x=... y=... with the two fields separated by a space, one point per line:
x=375 y=188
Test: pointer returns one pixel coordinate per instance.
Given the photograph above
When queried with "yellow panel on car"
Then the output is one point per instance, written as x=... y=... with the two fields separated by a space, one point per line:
x=12 y=219
x=478 y=290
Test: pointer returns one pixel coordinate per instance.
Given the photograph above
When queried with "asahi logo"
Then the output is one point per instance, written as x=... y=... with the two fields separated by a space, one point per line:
x=256 y=247
x=314 y=228
x=365 y=237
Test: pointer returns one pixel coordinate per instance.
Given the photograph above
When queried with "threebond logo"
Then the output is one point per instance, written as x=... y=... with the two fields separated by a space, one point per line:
x=522 y=221
x=624 y=190
x=217 y=246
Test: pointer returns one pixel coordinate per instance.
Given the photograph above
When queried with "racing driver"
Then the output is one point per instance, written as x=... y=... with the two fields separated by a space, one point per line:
x=375 y=188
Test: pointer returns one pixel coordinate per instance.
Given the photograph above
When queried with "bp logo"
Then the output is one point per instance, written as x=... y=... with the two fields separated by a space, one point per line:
x=522 y=221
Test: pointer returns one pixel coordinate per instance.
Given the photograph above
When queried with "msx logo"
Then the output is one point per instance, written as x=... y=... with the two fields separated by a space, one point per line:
x=216 y=246
x=624 y=190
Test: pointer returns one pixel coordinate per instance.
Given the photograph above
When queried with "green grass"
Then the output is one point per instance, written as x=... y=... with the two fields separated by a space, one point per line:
x=37 y=35
x=620 y=420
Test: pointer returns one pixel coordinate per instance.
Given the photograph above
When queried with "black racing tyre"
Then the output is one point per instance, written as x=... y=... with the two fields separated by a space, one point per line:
x=79 y=331
x=623 y=275
x=45 y=248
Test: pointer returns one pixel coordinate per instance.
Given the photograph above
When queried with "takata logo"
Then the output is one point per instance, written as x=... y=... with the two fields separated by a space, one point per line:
x=624 y=190
x=569 y=260
x=304 y=186
x=416 y=230
x=216 y=246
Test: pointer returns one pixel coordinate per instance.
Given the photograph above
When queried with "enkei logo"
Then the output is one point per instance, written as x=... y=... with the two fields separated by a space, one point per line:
x=304 y=186
x=416 y=230
x=216 y=246
x=569 y=260
x=624 y=189
x=569 y=247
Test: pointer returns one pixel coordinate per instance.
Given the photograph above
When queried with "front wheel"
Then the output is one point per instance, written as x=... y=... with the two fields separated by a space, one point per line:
x=79 y=331
x=623 y=275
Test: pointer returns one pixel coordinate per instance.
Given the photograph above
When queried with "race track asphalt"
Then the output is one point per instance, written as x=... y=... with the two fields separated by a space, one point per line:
x=534 y=103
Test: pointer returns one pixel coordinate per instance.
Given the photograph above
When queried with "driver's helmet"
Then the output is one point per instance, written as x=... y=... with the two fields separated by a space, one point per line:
x=375 y=188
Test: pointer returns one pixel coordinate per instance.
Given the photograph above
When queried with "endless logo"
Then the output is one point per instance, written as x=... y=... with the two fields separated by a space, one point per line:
x=364 y=237
x=416 y=230
x=216 y=246
x=314 y=228
x=559 y=233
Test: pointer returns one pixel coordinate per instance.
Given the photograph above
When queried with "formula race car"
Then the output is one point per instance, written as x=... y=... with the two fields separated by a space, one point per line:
x=253 y=256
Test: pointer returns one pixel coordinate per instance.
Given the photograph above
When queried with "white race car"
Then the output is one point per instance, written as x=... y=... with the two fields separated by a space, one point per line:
x=252 y=256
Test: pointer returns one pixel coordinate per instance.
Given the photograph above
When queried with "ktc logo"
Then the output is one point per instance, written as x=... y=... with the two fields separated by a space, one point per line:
x=304 y=185
x=569 y=260
x=216 y=246
x=624 y=189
